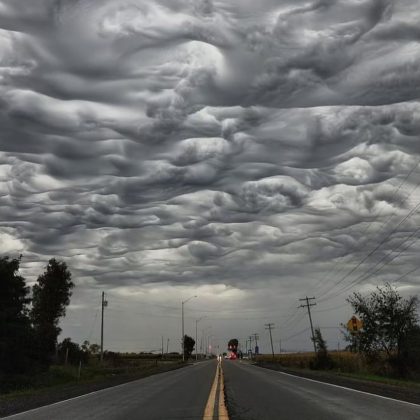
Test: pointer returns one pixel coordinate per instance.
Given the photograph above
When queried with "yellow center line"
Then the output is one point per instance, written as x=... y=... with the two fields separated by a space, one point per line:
x=213 y=412
x=209 y=410
x=223 y=413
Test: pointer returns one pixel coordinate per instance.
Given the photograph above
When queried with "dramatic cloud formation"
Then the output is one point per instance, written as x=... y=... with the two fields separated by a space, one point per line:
x=251 y=153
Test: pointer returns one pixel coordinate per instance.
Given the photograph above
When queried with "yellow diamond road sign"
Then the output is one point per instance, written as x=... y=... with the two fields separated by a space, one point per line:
x=354 y=324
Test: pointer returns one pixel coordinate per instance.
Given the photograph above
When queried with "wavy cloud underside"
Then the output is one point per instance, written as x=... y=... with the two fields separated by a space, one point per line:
x=250 y=145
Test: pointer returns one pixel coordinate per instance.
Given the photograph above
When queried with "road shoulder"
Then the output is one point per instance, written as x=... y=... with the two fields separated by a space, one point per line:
x=408 y=394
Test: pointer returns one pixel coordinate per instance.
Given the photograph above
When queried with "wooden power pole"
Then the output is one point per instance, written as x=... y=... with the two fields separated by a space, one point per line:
x=104 y=303
x=308 y=305
x=269 y=327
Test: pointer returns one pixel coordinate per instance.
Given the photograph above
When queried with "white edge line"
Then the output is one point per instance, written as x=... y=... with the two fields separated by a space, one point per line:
x=81 y=396
x=63 y=401
x=342 y=387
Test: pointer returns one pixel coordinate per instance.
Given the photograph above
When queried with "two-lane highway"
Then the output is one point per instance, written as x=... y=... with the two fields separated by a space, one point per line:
x=253 y=393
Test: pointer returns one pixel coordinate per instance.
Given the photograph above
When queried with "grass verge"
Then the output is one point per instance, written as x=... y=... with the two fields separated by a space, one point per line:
x=333 y=373
x=60 y=377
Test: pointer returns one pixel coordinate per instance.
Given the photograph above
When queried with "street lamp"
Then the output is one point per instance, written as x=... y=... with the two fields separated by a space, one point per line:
x=204 y=337
x=196 y=338
x=183 y=335
x=209 y=347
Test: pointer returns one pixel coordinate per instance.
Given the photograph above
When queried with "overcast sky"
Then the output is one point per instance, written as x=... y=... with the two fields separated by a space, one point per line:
x=248 y=152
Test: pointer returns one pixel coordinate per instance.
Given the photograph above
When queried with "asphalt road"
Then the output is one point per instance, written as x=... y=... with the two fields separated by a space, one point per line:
x=255 y=393
x=178 y=394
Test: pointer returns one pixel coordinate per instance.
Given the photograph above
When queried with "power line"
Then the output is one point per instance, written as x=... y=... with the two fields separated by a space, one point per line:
x=369 y=273
x=385 y=223
x=246 y=311
x=373 y=250
x=295 y=335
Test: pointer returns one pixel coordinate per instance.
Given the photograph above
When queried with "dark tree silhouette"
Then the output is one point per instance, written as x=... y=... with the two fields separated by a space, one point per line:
x=15 y=329
x=189 y=343
x=322 y=358
x=51 y=295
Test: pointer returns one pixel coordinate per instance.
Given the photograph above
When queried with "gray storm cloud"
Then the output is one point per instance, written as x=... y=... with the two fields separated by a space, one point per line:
x=230 y=143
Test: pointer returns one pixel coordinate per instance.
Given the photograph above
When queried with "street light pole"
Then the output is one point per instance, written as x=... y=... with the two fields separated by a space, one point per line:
x=196 y=337
x=209 y=341
x=204 y=338
x=183 y=335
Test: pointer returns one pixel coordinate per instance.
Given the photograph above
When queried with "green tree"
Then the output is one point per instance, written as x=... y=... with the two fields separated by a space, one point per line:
x=94 y=348
x=71 y=352
x=387 y=319
x=51 y=295
x=410 y=352
x=322 y=358
x=15 y=330
x=189 y=343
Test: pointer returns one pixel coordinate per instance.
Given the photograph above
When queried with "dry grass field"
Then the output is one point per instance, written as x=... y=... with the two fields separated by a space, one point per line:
x=343 y=361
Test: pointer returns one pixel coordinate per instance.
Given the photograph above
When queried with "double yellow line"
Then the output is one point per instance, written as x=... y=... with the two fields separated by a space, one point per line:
x=217 y=411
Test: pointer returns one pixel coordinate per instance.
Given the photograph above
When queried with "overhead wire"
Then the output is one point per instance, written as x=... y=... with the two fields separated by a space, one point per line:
x=368 y=274
x=295 y=335
x=385 y=223
x=373 y=250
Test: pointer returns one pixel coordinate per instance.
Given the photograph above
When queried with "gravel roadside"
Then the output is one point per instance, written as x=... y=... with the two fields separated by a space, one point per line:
x=404 y=393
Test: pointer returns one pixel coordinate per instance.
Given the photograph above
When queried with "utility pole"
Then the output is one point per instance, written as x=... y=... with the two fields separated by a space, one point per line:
x=104 y=303
x=256 y=338
x=269 y=327
x=162 y=346
x=167 y=347
x=196 y=336
x=203 y=344
x=308 y=305
x=196 y=339
x=209 y=344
